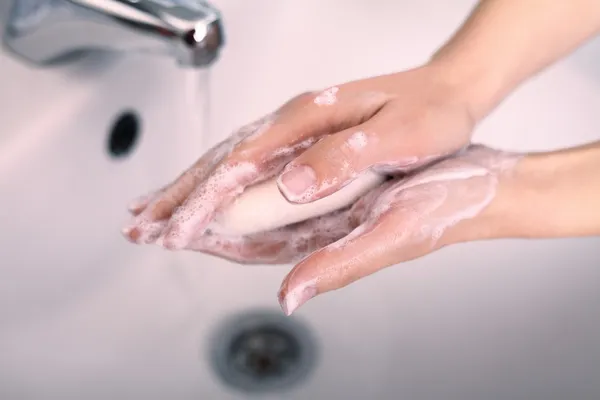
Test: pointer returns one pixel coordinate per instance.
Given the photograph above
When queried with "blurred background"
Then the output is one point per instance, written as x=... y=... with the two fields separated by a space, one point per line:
x=86 y=315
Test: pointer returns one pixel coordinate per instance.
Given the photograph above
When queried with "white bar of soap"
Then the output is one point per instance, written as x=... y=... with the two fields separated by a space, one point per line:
x=262 y=207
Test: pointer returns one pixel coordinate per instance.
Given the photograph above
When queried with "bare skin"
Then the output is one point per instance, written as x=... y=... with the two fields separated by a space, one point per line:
x=410 y=119
x=478 y=194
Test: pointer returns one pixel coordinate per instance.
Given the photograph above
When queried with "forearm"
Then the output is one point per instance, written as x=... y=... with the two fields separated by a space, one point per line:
x=546 y=195
x=504 y=42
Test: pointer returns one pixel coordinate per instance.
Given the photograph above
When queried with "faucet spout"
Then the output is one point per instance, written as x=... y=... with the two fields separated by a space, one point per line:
x=46 y=32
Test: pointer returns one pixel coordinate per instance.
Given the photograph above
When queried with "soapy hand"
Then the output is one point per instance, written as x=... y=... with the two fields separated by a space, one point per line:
x=403 y=219
x=316 y=144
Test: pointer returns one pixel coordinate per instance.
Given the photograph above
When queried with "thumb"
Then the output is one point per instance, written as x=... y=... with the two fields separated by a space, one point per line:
x=367 y=249
x=336 y=160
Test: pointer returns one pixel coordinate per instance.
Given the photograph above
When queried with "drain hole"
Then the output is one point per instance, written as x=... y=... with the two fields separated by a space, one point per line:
x=123 y=134
x=263 y=352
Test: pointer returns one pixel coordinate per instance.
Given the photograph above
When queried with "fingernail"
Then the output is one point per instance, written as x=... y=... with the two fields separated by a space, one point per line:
x=297 y=180
x=127 y=230
x=297 y=297
x=138 y=203
x=131 y=233
x=134 y=205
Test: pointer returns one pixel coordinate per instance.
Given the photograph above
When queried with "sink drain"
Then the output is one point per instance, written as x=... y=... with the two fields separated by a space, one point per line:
x=263 y=352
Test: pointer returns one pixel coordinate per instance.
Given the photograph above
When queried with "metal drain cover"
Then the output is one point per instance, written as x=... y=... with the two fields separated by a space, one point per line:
x=262 y=351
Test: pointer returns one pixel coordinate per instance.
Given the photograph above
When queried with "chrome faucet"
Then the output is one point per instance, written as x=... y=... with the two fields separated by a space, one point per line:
x=46 y=32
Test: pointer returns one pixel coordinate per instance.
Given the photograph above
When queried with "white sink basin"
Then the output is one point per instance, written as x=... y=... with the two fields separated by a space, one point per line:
x=86 y=315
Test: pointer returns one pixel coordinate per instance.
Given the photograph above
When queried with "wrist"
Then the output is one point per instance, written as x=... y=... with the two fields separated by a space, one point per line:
x=512 y=212
x=545 y=195
x=509 y=183
x=479 y=87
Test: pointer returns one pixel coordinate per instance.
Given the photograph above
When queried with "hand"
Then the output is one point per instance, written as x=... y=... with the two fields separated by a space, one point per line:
x=323 y=140
x=403 y=219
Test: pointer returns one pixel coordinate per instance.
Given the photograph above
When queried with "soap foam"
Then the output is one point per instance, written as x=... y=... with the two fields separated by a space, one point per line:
x=228 y=180
x=255 y=129
x=357 y=141
x=282 y=245
x=294 y=149
x=435 y=199
x=328 y=97
x=426 y=203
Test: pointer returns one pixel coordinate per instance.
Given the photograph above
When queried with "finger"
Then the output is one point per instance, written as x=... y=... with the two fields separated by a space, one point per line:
x=143 y=226
x=364 y=251
x=240 y=250
x=161 y=206
x=148 y=233
x=338 y=159
x=137 y=205
x=194 y=215
x=262 y=154
x=174 y=195
x=390 y=232
x=299 y=124
x=309 y=117
x=409 y=219
x=280 y=246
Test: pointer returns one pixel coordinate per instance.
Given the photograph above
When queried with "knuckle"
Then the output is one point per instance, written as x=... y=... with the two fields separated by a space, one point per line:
x=299 y=101
x=305 y=97
x=340 y=159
